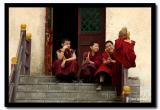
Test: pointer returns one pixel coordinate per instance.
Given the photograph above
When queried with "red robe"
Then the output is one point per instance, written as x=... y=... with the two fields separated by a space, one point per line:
x=117 y=77
x=87 y=69
x=112 y=69
x=105 y=68
x=124 y=53
x=70 y=69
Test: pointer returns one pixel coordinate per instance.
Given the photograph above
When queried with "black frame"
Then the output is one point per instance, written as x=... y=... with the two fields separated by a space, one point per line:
x=153 y=59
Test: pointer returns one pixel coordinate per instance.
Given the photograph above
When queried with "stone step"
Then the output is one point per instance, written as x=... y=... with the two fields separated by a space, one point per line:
x=54 y=95
x=26 y=79
x=67 y=87
x=34 y=79
x=66 y=101
x=61 y=86
x=44 y=89
x=134 y=81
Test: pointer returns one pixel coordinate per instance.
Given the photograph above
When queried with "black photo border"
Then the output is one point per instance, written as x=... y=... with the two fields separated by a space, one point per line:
x=154 y=96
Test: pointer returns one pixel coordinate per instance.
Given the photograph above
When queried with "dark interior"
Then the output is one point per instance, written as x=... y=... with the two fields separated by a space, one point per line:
x=65 y=25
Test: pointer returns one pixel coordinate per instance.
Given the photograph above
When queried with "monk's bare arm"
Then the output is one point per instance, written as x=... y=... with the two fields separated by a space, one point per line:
x=60 y=55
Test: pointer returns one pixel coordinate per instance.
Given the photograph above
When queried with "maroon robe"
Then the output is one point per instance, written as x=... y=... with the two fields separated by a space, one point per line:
x=88 y=69
x=71 y=67
x=124 y=53
x=105 y=68
x=117 y=77
x=112 y=69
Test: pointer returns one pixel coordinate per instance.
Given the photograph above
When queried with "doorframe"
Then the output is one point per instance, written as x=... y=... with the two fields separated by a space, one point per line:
x=48 y=42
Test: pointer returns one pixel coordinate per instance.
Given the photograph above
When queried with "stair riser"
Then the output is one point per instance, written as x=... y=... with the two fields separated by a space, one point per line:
x=60 y=87
x=36 y=80
x=64 y=101
x=64 y=96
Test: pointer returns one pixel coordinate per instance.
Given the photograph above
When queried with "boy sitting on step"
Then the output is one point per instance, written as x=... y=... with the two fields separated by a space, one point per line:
x=65 y=67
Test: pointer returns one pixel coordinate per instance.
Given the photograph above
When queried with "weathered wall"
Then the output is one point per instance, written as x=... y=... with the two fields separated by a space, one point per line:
x=138 y=22
x=35 y=20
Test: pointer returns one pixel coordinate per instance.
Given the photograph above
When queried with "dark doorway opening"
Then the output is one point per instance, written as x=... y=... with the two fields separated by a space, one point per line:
x=65 y=25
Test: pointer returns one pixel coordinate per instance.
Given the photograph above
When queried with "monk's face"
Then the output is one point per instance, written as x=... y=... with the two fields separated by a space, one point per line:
x=95 y=47
x=109 y=47
x=67 y=44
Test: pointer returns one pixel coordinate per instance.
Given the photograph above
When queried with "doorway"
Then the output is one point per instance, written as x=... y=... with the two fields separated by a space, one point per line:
x=65 y=25
x=79 y=24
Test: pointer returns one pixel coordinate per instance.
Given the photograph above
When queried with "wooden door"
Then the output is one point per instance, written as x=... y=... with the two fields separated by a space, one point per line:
x=91 y=27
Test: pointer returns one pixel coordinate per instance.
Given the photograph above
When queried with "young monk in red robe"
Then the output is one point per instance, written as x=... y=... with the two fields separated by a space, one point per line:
x=91 y=62
x=66 y=66
x=124 y=49
x=110 y=68
x=105 y=70
x=125 y=55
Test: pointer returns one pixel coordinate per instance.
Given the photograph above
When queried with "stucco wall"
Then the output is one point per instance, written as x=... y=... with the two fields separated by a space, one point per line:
x=35 y=20
x=138 y=22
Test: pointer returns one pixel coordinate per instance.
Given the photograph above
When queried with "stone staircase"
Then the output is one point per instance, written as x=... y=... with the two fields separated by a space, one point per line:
x=44 y=89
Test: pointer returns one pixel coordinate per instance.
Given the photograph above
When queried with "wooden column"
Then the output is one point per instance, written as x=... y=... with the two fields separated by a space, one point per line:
x=48 y=42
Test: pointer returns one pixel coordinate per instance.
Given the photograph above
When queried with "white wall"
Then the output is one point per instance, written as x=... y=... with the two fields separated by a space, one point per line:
x=138 y=22
x=35 y=20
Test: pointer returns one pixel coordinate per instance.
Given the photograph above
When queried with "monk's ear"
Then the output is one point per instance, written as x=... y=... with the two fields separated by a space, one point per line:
x=91 y=47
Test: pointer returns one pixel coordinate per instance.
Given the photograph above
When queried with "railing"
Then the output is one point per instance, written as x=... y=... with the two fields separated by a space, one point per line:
x=126 y=88
x=20 y=63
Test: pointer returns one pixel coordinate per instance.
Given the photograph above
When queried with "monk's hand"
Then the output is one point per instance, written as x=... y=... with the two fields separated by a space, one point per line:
x=87 y=60
x=113 y=61
x=65 y=47
x=127 y=40
x=63 y=63
x=91 y=62
x=105 y=61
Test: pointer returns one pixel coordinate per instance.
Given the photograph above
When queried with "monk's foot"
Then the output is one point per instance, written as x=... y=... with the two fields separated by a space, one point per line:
x=99 y=88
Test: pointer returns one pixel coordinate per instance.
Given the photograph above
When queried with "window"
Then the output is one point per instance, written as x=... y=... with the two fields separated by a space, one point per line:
x=90 y=19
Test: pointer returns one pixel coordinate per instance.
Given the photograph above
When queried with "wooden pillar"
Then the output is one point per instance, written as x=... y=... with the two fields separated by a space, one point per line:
x=48 y=42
